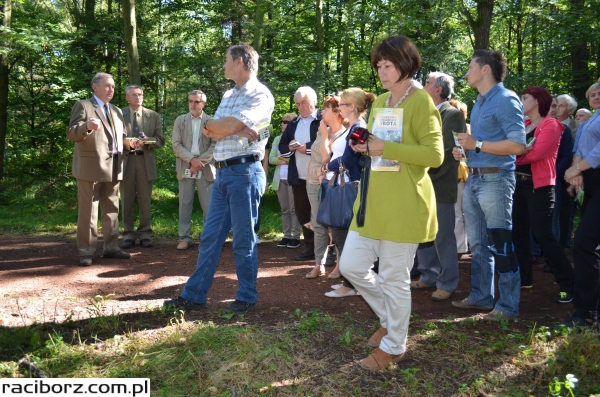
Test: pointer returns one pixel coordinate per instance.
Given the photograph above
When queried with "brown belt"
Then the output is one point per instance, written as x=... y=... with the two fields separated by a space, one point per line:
x=484 y=170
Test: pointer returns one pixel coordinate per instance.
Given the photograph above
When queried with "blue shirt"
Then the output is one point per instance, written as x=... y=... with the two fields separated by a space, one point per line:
x=496 y=116
x=587 y=144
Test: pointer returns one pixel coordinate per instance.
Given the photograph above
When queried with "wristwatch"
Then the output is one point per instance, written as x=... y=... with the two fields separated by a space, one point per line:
x=478 y=146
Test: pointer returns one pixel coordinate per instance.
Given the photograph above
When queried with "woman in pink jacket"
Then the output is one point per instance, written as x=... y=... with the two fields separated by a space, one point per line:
x=533 y=200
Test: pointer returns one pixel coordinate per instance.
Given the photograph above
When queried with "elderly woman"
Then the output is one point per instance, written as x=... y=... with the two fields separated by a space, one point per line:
x=400 y=205
x=585 y=174
x=354 y=103
x=533 y=199
x=289 y=221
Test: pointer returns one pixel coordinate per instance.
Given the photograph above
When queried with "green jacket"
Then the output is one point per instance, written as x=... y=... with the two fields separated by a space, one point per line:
x=401 y=205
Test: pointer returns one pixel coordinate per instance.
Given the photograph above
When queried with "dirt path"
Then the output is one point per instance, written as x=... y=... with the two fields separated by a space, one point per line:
x=41 y=282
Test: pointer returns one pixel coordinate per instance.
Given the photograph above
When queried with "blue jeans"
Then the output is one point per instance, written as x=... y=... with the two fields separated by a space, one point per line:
x=487 y=203
x=233 y=206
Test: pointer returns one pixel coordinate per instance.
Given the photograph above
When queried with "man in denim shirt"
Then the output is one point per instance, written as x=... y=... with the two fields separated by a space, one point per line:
x=498 y=135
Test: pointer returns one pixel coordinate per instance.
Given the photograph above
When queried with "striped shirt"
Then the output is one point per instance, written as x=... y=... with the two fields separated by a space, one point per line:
x=252 y=105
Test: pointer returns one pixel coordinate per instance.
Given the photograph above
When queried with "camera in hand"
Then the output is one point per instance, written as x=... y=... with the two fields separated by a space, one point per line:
x=359 y=136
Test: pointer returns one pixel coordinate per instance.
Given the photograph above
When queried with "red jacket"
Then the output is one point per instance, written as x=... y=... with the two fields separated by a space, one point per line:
x=543 y=155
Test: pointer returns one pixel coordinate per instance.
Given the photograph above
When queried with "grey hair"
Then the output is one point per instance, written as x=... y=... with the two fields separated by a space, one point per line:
x=571 y=102
x=445 y=82
x=306 y=91
x=247 y=53
x=100 y=77
x=198 y=92
x=133 y=87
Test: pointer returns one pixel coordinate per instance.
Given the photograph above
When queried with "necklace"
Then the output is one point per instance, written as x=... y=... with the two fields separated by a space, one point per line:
x=531 y=127
x=389 y=98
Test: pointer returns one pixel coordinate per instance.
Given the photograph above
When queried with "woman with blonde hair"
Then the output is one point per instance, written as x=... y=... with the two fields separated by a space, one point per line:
x=354 y=103
x=400 y=208
x=289 y=221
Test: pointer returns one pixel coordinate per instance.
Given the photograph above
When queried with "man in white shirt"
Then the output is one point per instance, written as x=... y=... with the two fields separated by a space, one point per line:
x=303 y=131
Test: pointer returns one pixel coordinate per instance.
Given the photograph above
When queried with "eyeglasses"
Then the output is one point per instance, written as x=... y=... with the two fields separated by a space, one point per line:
x=284 y=121
x=196 y=102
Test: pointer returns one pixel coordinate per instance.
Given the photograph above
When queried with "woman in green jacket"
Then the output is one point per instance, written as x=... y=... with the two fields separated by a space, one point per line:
x=400 y=204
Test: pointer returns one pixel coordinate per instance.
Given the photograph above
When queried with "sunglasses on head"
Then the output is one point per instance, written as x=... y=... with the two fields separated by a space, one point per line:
x=284 y=121
x=332 y=98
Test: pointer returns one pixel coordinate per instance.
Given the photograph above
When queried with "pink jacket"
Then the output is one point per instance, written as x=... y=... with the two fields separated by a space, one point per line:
x=543 y=155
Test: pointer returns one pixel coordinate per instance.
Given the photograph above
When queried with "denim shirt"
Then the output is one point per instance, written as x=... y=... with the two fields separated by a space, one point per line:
x=587 y=144
x=496 y=116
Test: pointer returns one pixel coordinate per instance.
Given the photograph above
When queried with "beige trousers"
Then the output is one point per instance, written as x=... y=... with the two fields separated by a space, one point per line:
x=388 y=293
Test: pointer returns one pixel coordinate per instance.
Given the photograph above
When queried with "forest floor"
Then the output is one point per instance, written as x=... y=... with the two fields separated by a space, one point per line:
x=40 y=282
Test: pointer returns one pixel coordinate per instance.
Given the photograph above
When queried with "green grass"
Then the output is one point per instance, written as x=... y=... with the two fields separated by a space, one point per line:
x=50 y=207
x=310 y=354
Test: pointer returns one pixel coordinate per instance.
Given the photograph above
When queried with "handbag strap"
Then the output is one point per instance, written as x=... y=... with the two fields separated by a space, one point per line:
x=365 y=162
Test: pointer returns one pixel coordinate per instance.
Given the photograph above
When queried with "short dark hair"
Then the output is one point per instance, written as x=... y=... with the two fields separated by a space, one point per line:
x=247 y=53
x=494 y=59
x=133 y=87
x=543 y=97
x=400 y=51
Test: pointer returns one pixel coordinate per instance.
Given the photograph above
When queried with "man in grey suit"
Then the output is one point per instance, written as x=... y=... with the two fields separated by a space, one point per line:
x=438 y=261
x=96 y=127
x=139 y=166
x=194 y=152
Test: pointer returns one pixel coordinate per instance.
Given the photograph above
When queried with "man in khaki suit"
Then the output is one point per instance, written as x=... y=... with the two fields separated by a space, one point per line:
x=194 y=152
x=96 y=127
x=139 y=166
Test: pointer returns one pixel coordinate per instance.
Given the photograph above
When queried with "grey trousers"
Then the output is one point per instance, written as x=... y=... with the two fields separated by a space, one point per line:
x=321 y=232
x=438 y=261
x=186 y=203
x=289 y=221
x=135 y=182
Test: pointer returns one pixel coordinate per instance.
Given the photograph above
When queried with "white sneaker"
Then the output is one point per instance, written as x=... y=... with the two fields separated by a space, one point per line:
x=336 y=286
x=332 y=294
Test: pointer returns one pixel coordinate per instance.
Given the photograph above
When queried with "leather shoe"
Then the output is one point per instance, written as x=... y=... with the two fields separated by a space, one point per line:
x=85 y=260
x=467 y=304
x=146 y=243
x=128 y=244
x=376 y=338
x=379 y=360
x=117 y=255
x=419 y=285
x=441 y=295
x=315 y=274
x=183 y=245
x=305 y=255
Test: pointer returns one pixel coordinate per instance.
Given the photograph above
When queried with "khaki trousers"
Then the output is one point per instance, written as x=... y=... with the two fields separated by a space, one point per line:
x=135 y=181
x=89 y=195
x=186 y=203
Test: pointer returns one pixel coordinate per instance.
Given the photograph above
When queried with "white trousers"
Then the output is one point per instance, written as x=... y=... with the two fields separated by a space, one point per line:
x=460 y=230
x=388 y=293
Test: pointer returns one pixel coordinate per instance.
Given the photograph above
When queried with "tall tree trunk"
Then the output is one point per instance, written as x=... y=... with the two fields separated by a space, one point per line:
x=259 y=16
x=4 y=71
x=481 y=24
x=534 y=42
x=579 y=55
x=520 y=68
x=320 y=41
x=346 y=50
x=133 y=58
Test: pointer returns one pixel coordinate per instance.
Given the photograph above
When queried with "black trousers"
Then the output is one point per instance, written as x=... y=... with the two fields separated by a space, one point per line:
x=586 y=291
x=302 y=208
x=532 y=210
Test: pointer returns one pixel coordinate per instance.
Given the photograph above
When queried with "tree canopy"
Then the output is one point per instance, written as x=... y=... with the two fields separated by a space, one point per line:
x=50 y=49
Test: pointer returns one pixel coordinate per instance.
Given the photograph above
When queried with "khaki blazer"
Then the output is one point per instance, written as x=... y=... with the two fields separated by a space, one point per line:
x=92 y=156
x=182 y=146
x=152 y=127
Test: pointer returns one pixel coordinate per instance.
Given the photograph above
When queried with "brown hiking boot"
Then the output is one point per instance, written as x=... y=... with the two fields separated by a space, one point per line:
x=375 y=339
x=379 y=360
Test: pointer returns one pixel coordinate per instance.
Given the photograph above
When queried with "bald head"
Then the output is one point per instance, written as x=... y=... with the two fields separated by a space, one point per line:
x=583 y=115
